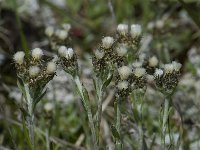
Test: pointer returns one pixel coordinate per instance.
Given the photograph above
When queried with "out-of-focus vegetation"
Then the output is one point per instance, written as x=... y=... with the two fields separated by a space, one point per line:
x=171 y=32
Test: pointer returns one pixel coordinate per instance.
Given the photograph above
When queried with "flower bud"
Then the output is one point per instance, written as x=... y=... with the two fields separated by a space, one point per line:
x=136 y=30
x=137 y=64
x=124 y=72
x=107 y=42
x=34 y=71
x=122 y=85
x=19 y=57
x=139 y=72
x=37 y=53
x=51 y=68
x=49 y=31
x=62 y=51
x=153 y=61
x=122 y=29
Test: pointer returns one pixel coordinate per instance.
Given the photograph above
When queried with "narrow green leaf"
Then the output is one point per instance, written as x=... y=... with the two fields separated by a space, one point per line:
x=107 y=82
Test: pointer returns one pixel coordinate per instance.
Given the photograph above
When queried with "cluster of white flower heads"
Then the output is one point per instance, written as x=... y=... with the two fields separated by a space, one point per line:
x=107 y=42
x=37 y=53
x=63 y=51
x=19 y=57
x=124 y=72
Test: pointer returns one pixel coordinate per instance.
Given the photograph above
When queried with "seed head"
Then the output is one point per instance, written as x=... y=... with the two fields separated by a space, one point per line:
x=51 y=68
x=124 y=72
x=49 y=31
x=153 y=61
x=62 y=51
x=69 y=53
x=121 y=51
x=122 y=29
x=122 y=85
x=107 y=42
x=34 y=71
x=139 y=72
x=136 y=30
x=19 y=57
x=37 y=53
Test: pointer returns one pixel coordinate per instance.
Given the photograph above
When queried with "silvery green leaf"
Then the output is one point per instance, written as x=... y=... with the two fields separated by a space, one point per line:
x=38 y=99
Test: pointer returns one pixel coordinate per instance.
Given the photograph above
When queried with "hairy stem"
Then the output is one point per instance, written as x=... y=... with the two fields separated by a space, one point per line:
x=30 y=117
x=118 y=143
x=87 y=106
x=165 y=122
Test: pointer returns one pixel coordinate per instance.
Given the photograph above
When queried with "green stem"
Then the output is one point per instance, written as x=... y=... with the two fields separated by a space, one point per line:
x=99 y=113
x=30 y=117
x=165 y=122
x=85 y=100
x=118 y=143
x=47 y=139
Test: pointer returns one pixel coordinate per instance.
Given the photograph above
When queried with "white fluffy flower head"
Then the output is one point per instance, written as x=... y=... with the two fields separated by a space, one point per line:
x=37 y=53
x=98 y=54
x=69 y=53
x=124 y=72
x=136 y=30
x=137 y=64
x=66 y=26
x=61 y=34
x=34 y=71
x=121 y=51
x=169 y=68
x=153 y=61
x=49 y=31
x=122 y=85
x=48 y=107
x=51 y=68
x=122 y=29
x=177 y=66
x=107 y=42
x=62 y=51
x=158 y=72
x=139 y=72
x=19 y=57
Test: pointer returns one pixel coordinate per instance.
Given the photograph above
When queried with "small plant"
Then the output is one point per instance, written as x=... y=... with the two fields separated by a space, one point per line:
x=33 y=74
